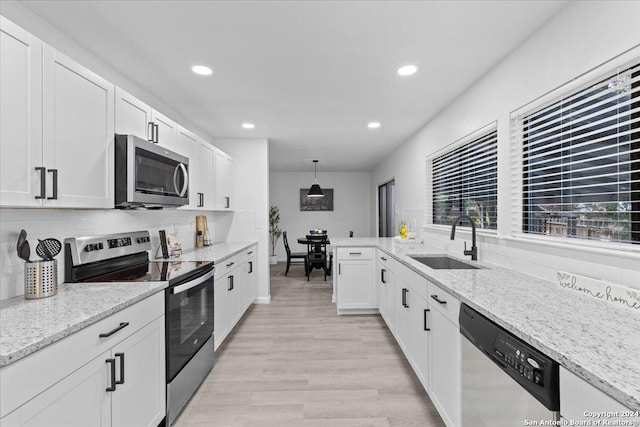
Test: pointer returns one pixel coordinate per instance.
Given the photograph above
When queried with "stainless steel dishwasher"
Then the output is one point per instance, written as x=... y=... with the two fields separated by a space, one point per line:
x=505 y=381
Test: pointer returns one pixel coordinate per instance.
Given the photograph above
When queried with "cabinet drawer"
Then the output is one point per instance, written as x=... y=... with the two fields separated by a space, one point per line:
x=35 y=373
x=384 y=260
x=227 y=265
x=444 y=302
x=355 y=253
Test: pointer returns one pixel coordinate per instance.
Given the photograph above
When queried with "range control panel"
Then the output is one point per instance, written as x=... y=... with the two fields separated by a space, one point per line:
x=84 y=250
x=516 y=356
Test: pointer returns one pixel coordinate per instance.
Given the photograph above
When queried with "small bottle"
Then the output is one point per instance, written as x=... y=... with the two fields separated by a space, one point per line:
x=207 y=239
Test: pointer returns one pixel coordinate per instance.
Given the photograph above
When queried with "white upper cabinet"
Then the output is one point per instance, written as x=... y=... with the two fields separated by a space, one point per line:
x=165 y=130
x=78 y=134
x=225 y=177
x=205 y=188
x=57 y=126
x=133 y=117
x=187 y=145
x=20 y=115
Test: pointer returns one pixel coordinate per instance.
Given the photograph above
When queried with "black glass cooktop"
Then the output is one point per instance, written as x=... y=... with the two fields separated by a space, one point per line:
x=156 y=271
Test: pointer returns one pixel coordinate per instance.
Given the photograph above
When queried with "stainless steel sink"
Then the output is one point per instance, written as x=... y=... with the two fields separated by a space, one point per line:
x=443 y=262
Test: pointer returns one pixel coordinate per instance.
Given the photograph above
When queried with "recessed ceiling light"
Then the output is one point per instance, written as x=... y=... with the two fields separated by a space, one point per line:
x=202 y=70
x=248 y=125
x=407 y=70
x=373 y=125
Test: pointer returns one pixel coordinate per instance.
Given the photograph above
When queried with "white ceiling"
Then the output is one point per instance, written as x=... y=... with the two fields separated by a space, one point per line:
x=309 y=74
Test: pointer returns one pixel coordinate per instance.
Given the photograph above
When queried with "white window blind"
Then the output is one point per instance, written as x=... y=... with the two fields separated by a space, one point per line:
x=579 y=159
x=465 y=182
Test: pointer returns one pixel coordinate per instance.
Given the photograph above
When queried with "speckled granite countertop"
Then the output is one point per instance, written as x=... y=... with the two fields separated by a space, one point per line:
x=597 y=341
x=30 y=325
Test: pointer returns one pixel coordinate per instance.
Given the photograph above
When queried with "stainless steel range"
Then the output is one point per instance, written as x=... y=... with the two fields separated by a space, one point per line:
x=124 y=257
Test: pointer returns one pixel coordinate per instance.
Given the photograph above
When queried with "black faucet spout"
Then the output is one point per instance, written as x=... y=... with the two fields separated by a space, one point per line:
x=474 y=249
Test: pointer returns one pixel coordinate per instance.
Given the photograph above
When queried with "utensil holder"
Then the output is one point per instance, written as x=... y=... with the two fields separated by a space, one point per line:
x=40 y=279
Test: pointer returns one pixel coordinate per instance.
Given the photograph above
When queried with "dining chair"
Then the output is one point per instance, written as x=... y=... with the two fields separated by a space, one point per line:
x=317 y=254
x=293 y=255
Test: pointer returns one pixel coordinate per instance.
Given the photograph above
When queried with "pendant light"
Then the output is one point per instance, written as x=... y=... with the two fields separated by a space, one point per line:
x=315 y=190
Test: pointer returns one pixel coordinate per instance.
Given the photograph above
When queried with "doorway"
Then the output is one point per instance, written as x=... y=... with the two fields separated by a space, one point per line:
x=387 y=209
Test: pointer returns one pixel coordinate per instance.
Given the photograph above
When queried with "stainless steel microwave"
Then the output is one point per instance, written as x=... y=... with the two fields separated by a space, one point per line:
x=148 y=175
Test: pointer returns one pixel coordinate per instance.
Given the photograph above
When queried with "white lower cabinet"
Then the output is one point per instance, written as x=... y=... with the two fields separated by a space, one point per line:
x=354 y=278
x=444 y=354
x=384 y=287
x=120 y=383
x=580 y=401
x=236 y=287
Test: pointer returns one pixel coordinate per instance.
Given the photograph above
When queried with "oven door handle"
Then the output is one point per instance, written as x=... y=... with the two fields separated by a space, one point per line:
x=192 y=284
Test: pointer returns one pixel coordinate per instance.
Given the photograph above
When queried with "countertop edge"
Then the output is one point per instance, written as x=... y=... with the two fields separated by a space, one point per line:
x=8 y=359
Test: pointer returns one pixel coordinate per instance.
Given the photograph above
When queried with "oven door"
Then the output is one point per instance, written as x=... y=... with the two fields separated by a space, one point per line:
x=188 y=320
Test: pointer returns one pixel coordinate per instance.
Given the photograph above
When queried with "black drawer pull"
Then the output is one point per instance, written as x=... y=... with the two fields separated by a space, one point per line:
x=230 y=264
x=355 y=253
x=382 y=278
x=249 y=253
x=112 y=362
x=435 y=297
x=113 y=331
x=383 y=258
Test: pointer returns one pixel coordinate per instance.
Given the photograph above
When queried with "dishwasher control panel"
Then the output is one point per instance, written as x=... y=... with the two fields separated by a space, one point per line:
x=518 y=358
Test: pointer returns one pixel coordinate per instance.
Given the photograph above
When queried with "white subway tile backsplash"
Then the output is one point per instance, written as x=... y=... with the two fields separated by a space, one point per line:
x=63 y=223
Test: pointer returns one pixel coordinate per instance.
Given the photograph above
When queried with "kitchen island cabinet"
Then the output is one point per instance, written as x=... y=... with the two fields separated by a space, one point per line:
x=354 y=281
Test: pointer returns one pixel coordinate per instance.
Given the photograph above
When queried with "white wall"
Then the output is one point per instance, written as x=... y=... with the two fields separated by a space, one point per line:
x=351 y=205
x=251 y=204
x=580 y=37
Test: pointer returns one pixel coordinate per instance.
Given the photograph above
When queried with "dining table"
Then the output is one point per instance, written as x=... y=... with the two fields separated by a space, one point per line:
x=308 y=240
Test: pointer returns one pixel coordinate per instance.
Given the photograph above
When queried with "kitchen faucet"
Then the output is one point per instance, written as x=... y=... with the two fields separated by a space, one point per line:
x=474 y=249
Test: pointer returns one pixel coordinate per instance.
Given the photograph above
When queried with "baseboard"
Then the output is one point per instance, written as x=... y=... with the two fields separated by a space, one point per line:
x=262 y=300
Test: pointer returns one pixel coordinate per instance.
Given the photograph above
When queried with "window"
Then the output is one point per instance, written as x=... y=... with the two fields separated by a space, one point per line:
x=465 y=181
x=580 y=160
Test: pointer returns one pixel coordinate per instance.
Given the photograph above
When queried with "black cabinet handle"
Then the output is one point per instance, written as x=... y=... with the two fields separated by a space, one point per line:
x=355 y=253
x=435 y=297
x=200 y=200
x=383 y=258
x=405 y=291
x=150 y=132
x=425 y=319
x=382 y=279
x=339 y=268
x=228 y=199
x=54 y=173
x=43 y=183
x=249 y=253
x=156 y=133
x=230 y=287
x=121 y=357
x=230 y=264
x=112 y=362
x=250 y=267
x=113 y=331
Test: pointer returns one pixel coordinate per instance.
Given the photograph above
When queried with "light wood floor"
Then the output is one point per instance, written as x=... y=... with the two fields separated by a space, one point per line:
x=294 y=362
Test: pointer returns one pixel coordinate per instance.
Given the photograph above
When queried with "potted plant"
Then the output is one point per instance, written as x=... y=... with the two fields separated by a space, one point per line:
x=274 y=231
